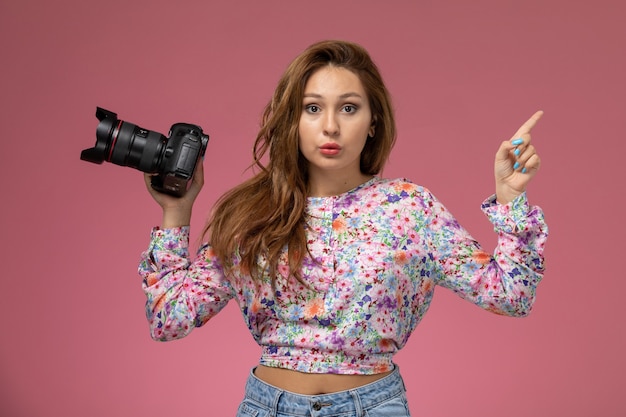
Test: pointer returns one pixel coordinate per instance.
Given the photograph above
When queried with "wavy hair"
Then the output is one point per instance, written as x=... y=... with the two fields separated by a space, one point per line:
x=262 y=216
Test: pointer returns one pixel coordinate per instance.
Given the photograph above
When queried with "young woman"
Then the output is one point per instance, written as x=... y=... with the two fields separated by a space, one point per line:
x=332 y=265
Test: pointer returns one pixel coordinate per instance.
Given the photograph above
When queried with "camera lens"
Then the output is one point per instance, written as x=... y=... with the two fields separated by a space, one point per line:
x=125 y=144
x=136 y=147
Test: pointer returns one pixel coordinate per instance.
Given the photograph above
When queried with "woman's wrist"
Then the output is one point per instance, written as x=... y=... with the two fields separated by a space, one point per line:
x=505 y=195
x=175 y=218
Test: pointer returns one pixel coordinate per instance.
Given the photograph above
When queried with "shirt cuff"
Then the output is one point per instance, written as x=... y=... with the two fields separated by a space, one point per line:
x=510 y=217
x=174 y=240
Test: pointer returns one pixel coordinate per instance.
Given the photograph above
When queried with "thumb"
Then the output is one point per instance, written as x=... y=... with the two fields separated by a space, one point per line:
x=197 y=181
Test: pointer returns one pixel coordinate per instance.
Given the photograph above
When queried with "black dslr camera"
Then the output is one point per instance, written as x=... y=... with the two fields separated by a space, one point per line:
x=172 y=159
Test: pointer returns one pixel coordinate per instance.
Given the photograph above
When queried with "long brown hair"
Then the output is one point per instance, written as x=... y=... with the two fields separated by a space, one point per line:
x=259 y=218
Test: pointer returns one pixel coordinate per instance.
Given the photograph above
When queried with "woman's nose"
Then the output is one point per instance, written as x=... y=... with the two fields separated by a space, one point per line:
x=331 y=124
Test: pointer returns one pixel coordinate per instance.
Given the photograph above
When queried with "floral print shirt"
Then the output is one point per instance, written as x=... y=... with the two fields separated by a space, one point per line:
x=377 y=253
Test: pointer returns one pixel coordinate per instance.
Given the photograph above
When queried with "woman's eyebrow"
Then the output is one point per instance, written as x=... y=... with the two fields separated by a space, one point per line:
x=343 y=96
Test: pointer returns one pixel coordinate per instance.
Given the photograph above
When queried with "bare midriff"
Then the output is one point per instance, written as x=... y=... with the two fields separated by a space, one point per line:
x=313 y=384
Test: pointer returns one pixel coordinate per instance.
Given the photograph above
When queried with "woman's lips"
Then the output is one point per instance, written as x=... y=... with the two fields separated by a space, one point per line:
x=330 y=149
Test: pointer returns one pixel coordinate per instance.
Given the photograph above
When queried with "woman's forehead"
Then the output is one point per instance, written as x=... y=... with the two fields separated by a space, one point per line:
x=333 y=81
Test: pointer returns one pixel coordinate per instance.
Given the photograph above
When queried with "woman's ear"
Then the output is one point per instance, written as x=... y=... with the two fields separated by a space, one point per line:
x=372 y=130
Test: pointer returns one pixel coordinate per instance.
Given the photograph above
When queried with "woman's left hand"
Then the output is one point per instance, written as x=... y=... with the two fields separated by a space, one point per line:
x=516 y=162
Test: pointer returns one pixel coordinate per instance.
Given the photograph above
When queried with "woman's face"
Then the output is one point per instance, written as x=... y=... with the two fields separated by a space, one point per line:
x=335 y=122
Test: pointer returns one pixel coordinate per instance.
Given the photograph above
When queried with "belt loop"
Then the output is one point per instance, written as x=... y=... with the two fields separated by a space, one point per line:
x=358 y=407
x=399 y=375
x=274 y=409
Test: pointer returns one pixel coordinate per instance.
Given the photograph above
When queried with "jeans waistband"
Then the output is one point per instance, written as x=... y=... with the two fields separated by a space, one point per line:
x=349 y=401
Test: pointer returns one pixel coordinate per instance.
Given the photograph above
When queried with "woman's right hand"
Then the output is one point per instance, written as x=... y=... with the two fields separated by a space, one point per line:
x=177 y=210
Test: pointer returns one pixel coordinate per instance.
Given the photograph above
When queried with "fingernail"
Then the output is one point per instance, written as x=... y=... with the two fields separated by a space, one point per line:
x=517 y=142
x=516 y=165
x=524 y=170
x=516 y=151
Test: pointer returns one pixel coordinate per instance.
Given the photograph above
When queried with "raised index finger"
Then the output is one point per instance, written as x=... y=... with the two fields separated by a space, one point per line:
x=529 y=124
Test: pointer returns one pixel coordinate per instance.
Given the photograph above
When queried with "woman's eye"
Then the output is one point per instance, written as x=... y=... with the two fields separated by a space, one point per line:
x=311 y=108
x=349 y=108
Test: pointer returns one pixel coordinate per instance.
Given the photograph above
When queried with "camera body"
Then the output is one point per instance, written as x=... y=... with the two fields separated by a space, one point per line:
x=171 y=160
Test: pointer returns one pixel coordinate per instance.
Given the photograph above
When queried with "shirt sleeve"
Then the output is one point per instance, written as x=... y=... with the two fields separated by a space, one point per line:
x=181 y=294
x=504 y=282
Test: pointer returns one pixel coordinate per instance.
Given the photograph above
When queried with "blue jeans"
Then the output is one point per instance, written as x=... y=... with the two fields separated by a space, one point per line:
x=383 y=398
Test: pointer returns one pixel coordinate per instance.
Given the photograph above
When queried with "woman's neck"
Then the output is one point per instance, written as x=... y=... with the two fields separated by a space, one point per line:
x=328 y=185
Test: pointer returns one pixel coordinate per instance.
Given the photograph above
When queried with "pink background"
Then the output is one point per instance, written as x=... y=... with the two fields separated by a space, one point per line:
x=464 y=75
